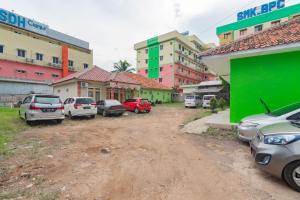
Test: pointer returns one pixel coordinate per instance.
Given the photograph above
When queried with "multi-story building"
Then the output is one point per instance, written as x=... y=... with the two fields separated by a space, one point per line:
x=171 y=59
x=32 y=55
x=256 y=20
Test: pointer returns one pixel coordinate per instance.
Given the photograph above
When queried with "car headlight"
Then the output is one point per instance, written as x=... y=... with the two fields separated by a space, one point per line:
x=279 y=139
x=249 y=124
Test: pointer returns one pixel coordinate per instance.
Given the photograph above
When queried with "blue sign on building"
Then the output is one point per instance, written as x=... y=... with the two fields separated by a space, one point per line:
x=22 y=22
x=263 y=9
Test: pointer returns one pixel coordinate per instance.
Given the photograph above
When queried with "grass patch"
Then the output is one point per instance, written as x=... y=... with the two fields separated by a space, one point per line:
x=10 y=125
x=221 y=133
x=174 y=105
x=198 y=115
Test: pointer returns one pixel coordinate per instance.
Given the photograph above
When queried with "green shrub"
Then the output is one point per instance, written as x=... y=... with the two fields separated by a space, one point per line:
x=222 y=103
x=213 y=105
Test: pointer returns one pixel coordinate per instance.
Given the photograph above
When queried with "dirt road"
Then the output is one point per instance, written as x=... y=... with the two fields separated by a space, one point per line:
x=135 y=157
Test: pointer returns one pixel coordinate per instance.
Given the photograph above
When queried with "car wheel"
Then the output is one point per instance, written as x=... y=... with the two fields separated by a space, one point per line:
x=93 y=116
x=59 y=121
x=104 y=114
x=27 y=121
x=292 y=175
x=136 y=111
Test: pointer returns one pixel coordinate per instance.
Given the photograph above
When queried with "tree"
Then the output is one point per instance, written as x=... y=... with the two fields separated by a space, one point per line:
x=213 y=105
x=123 y=66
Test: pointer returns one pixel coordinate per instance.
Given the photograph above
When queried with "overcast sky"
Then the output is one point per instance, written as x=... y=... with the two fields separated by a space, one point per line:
x=113 y=26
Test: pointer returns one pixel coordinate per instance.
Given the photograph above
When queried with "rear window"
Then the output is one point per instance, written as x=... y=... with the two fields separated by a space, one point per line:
x=208 y=97
x=190 y=97
x=112 y=103
x=47 y=100
x=84 y=101
x=144 y=101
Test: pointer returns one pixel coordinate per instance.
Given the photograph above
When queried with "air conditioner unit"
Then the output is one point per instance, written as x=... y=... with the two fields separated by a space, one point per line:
x=29 y=60
x=84 y=85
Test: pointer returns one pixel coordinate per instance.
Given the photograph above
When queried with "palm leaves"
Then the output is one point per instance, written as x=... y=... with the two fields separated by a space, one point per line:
x=123 y=66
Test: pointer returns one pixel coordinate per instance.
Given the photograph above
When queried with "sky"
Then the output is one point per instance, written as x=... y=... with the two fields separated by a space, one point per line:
x=112 y=27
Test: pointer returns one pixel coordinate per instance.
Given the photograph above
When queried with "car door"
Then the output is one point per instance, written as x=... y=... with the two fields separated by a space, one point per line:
x=66 y=105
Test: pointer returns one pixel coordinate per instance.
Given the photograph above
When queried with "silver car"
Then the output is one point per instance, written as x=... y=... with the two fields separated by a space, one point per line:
x=247 y=128
x=41 y=107
x=276 y=149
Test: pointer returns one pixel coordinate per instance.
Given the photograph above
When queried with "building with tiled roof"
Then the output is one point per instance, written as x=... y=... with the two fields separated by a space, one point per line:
x=152 y=90
x=98 y=84
x=264 y=65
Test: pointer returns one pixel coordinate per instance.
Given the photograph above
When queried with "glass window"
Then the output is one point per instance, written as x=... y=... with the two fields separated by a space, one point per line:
x=21 y=53
x=161 y=47
x=275 y=23
x=146 y=51
x=55 y=60
x=85 y=66
x=84 y=101
x=160 y=80
x=39 y=73
x=47 y=100
x=146 y=71
x=161 y=69
x=161 y=58
x=112 y=103
x=39 y=56
x=71 y=63
x=146 y=61
x=1 y=49
x=243 y=32
x=55 y=75
x=227 y=35
x=258 y=28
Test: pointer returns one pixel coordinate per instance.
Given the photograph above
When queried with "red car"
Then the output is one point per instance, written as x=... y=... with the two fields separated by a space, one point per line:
x=137 y=105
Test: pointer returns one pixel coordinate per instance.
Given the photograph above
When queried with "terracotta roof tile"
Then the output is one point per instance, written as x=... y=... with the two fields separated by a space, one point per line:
x=147 y=83
x=283 y=34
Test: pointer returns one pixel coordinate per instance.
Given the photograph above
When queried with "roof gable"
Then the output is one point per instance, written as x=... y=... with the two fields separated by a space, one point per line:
x=147 y=83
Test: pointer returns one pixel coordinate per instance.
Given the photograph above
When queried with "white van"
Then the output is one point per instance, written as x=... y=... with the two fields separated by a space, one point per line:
x=206 y=100
x=192 y=101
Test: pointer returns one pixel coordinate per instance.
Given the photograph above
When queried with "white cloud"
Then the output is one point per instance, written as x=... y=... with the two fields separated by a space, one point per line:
x=112 y=27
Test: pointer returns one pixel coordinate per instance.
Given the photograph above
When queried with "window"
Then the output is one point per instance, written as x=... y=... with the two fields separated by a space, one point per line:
x=190 y=53
x=21 y=71
x=55 y=75
x=295 y=16
x=161 y=47
x=39 y=56
x=85 y=66
x=161 y=69
x=161 y=58
x=39 y=73
x=21 y=53
x=258 y=28
x=1 y=49
x=55 y=60
x=146 y=71
x=182 y=59
x=182 y=48
x=160 y=80
x=171 y=43
x=146 y=61
x=146 y=51
x=71 y=63
x=179 y=46
x=227 y=35
x=275 y=23
x=171 y=54
x=243 y=32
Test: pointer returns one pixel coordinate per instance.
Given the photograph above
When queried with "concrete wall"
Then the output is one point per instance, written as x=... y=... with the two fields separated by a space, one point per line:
x=66 y=90
x=273 y=78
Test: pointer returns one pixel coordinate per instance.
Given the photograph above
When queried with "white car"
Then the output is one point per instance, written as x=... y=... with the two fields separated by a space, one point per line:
x=247 y=128
x=80 y=106
x=41 y=108
x=206 y=100
x=192 y=101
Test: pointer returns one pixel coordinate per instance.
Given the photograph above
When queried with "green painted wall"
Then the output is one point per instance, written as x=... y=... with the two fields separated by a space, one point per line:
x=275 y=78
x=278 y=14
x=153 y=58
x=153 y=95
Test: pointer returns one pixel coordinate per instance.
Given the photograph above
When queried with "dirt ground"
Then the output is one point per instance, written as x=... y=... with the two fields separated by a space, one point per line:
x=135 y=157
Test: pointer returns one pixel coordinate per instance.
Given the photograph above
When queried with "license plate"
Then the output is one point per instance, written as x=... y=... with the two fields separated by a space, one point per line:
x=87 y=107
x=48 y=109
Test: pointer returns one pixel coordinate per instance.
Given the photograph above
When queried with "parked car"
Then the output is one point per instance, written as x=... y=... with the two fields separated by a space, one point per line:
x=110 y=107
x=248 y=126
x=192 y=101
x=206 y=100
x=41 y=108
x=276 y=149
x=137 y=105
x=80 y=106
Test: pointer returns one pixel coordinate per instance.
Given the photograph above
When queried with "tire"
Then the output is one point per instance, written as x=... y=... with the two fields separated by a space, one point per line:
x=136 y=110
x=104 y=114
x=59 y=121
x=30 y=123
x=93 y=116
x=292 y=172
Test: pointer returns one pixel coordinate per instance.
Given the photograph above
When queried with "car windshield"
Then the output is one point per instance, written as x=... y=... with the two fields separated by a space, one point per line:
x=190 y=97
x=285 y=110
x=47 y=100
x=84 y=101
x=208 y=97
x=144 y=101
x=112 y=103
